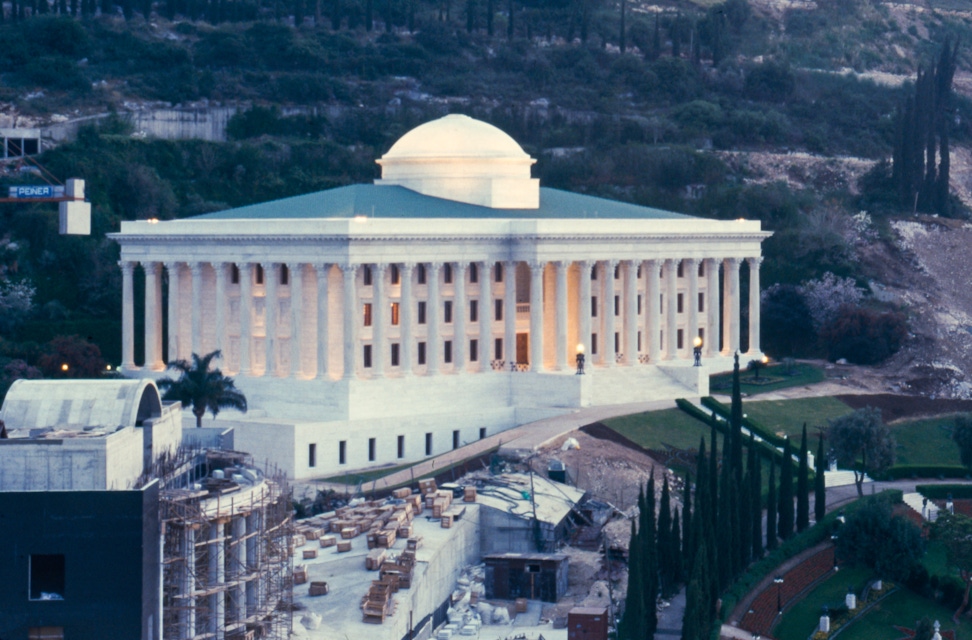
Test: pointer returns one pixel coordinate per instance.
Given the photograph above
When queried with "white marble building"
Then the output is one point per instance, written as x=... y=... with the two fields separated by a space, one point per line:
x=378 y=324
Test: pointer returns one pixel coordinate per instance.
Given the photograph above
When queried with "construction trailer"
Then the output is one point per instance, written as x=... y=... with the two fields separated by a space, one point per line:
x=535 y=576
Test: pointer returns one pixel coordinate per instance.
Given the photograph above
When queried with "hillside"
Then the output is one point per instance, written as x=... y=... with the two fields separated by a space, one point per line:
x=772 y=109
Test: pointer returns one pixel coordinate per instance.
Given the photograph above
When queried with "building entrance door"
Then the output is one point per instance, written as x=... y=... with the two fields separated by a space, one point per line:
x=522 y=348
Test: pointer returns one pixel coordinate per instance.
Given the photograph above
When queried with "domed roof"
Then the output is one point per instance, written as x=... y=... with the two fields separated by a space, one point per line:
x=455 y=136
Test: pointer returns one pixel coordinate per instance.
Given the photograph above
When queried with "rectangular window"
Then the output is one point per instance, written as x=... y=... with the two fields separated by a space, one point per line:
x=617 y=342
x=367 y=314
x=421 y=353
x=679 y=337
x=401 y=446
x=680 y=269
x=447 y=351
x=701 y=268
x=661 y=302
x=639 y=272
x=366 y=275
x=421 y=274
x=371 y=449
x=678 y=303
x=395 y=275
x=366 y=356
x=474 y=311
x=473 y=273
x=447 y=273
x=455 y=438
x=395 y=311
x=594 y=272
x=46 y=576
x=639 y=304
x=259 y=274
x=617 y=305
x=661 y=336
x=312 y=455
x=593 y=306
x=498 y=272
x=702 y=334
x=428 y=444
x=498 y=349
x=497 y=310
x=421 y=312
x=234 y=274
x=474 y=350
x=617 y=271
x=701 y=302
x=284 y=275
x=639 y=341
x=343 y=452
x=395 y=354
x=593 y=343
x=482 y=433
x=447 y=311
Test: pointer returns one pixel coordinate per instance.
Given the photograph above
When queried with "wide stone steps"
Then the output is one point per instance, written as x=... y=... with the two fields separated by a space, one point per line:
x=634 y=383
x=927 y=511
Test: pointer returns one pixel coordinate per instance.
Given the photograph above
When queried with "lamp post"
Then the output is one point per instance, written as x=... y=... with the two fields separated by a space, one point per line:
x=779 y=593
x=580 y=359
x=697 y=351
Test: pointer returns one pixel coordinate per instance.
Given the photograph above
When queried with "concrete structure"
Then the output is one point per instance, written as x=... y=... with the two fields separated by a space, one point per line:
x=17 y=143
x=535 y=576
x=380 y=324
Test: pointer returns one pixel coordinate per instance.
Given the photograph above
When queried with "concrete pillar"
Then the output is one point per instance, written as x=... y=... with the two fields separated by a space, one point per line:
x=128 y=315
x=296 y=271
x=217 y=578
x=321 y=271
x=671 y=301
x=271 y=276
x=172 y=268
x=405 y=306
x=153 y=316
x=509 y=310
x=712 y=329
x=379 y=302
x=433 y=313
x=653 y=304
x=610 y=357
x=187 y=584
x=246 y=317
x=754 y=346
x=196 y=269
x=692 y=303
x=238 y=568
x=219 y=269
x=536 y=315
x=560 y=300
x=253 y=587
x=459 y=338
x=630 y=312
x=485 y=315
x=350 y=309
x=584 y=309
x=731 y=306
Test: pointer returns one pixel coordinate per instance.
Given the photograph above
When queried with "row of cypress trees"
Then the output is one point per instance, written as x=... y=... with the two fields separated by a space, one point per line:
x=707 y=547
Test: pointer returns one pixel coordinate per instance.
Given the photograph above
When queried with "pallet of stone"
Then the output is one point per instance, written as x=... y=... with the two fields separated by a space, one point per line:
x=310 y=554
x=300 y=574
x=428 y=486
x=343 y=546
x=387 y=537
x=338 y=524
x=521 y=605
x=395 y=576
x=299 y=540
x=376 y=612
x=417 y=502
x=439 y=506
x=328 y=541
x=372 y=539
x=406 y=558
x=318 y=589
x=405 y=531
x=469 y=494
x=446 y=521
x=413 y=544
x=374 y=559
x=312 y=534
x=349 y=532
x=402 y=493
x=340 y=511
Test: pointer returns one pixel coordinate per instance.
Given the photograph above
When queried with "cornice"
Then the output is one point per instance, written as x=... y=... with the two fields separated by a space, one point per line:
x=411 y=239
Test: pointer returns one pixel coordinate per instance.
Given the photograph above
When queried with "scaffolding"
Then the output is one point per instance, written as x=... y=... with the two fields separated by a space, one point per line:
x=227 y=569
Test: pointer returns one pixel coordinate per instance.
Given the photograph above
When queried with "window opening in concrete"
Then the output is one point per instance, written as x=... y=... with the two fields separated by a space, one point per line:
x=617 y=342
x=593 y=306
x=428 y=444
x=401 y=446
x=617 y=271
x=701 y=302
x=680 y=270
x=447 y=311
x=593 y=343
x=421 y=312
x=455 y=438
x=395 y=276
x=395 y=313
x=367 y=314
x=367 y=356
x=639 y=304
x=594 y=272
x=639 y=341
x=497 y=348
x=474 y=350
x=259 y=274
x=679 y=336
x=395 y=354
x=473 y=273
x=421 y=274
x=366 y=275
x=701 y=268
x=474 y=311
x=498 y=269
x=447 y=273
x=343 y=452
x=421 y=353
x=312 y=455
x=617 y=305
x=371 y=449
x=234 y=274
x=47 y=576
x=482 y=433
x=447 y=351
x=679 y=302
x=497 y=310
x=284 y=275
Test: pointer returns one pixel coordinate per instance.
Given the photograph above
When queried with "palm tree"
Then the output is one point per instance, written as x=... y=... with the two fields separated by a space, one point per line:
x=201 y=387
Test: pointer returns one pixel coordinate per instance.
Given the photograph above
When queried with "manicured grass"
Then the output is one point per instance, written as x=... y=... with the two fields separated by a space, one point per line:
x=799 y=621
x=926 y=442
x=802 y=375
x=902 y=608
x=364 y=475
x=935 y=560
x=656 y=429
x=788 y=416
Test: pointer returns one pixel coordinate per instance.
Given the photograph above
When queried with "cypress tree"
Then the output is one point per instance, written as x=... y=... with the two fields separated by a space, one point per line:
x=819 y=485
x=664 y=546
x=725 y=541
x=700 y=516
x=745 y=546
x=698 y=612
x=803 y=485
x=771 y=505
x=735 y=423
x=649 y=559
x=755 y=499
x=686 y=537
x=630 y=624
x=676 y=542
x=714 y=477
x=785 y=529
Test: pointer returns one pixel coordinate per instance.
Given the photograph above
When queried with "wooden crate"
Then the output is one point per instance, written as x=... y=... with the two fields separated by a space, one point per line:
x=374 y=559
x=402 y=493
x=349 y=532
x=405 y=531
x=328 y=541
x=428 y=486
x=299 y=540
x=469 y=495
x=439 y=506
x=310 y=554
x=413 y=544
x=387 y=538
x=521 y=605
x=446 y=520
x=343 y=546
x=300 y=574
x=318 y=589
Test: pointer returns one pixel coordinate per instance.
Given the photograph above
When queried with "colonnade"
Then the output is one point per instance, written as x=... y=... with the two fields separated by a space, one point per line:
x=329 y=320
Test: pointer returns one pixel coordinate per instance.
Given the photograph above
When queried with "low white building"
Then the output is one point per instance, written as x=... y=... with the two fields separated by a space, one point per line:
x=379 y=324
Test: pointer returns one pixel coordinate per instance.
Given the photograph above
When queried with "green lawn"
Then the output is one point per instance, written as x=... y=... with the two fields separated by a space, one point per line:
x=655 y=429
x=802 y=374
x=788 y=416
x=800 y=620
x=902 y=608
x=926 y=442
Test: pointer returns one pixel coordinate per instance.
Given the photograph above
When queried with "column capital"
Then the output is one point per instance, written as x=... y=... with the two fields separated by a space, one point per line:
x=537 y=265
x=653 y=266
x=434 y=267
x=219 y=265
x=379 y=267
x=349 y=268
x=562 y=265
x=171 y=264
x=322 y=267
x=672 y=261
x=293 y=266
x=269 y=264
x=691 y=262
x=611 y=264
x=733 y=263
x=196 y=268
x=127 y=265
x=510 y=264
x=244 y=267
x=151 y=267
x=755 y=262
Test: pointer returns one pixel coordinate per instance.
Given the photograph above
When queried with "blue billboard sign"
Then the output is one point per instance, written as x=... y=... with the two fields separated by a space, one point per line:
x=36 y=191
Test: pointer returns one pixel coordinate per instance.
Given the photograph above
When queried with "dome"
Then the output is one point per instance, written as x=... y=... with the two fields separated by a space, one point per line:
x=462 y=159
x=455 y=136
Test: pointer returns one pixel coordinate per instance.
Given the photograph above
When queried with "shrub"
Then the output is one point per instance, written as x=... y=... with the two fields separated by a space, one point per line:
x=962 y=436
x=942 y=491
x=891 y=545
x=786 y=325
x=899 y=471
x=770 y=81
x=863 y=336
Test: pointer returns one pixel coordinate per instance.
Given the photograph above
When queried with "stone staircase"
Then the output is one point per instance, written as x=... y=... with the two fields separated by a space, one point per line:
x=634 y=383
x=927 y=511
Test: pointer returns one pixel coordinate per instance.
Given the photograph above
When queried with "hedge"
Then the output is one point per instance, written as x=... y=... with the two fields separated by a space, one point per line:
x=766 y=449
x=941 y=491
x=750 y=424
x=900 y=471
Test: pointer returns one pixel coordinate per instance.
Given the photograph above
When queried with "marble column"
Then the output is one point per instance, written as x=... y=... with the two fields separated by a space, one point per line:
x=350 y=310
x=322 y=271
x=197 y=284
x=433 y=312
x=712 y=329
x=754 y=347
x=296 y=314
x=153 y=316
x=219 y=269
x=128 y=315
x=730 y=306
x=584 y=308
x=172 y=268
x=217 y=580
x=378 y=304
x=610 y=357
x=509 y=310
x=246 y=317
x=630 y=312
x=560 y=300
x=692 y=306
x=536 y=315
x=459 y=339
x=271 y=276
x=653 y=309
x=671 y=300
x=485 y=315
x=405 y=306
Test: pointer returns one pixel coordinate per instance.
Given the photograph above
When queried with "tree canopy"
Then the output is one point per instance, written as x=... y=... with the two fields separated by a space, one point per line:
x=201 y=387
x=860 y=441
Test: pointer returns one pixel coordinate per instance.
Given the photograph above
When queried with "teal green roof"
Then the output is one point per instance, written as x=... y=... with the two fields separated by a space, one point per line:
x=398 y=202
